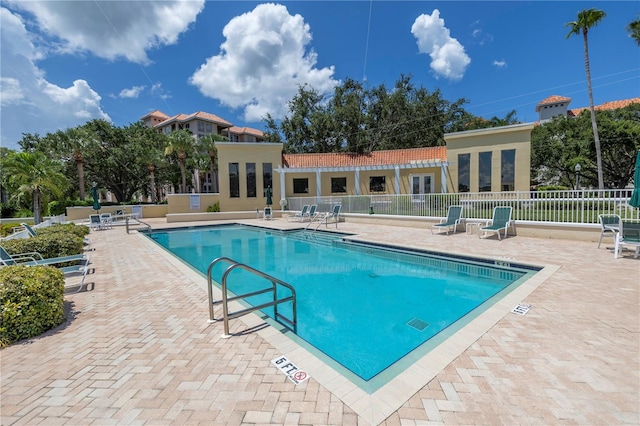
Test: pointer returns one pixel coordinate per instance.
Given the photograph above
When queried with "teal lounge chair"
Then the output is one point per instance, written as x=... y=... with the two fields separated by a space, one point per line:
x=311 y=214
x=501 y=220
x=453 y=219
x=29 y=229
x=333 y=216
x=628 y=235
x=299 y=217
x=34 y=258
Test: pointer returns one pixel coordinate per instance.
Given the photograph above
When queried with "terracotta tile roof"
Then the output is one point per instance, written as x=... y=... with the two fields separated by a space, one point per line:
x=607 y=106
x=246 y=131
x=375 y=158
x=553 y=99
x=155 y=113
x=183 y=118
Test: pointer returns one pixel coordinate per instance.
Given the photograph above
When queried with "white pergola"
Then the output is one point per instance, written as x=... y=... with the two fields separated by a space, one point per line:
x=357 y=169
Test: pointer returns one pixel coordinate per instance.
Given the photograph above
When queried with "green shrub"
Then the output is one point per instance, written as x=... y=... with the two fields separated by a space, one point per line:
x=67 y=228
x=31 y=301
x=7 y=228
x=53 y=244
x=214 y=208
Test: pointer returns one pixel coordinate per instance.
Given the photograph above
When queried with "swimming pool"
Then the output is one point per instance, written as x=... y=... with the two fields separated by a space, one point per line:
x=366 y=307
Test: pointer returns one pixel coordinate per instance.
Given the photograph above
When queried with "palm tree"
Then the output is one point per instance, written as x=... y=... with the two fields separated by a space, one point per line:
x=180 y=143
x=587 y=19
x=207 y=144
x=33 y=173
x=634 y=30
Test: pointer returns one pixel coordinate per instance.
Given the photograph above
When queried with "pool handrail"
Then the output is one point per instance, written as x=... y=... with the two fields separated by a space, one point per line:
x=226 y=316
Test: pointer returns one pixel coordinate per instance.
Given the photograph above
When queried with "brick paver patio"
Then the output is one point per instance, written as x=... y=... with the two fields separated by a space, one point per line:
x=138 y=349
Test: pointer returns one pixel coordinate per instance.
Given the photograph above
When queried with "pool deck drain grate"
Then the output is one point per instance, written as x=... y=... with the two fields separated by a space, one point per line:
x=418 y=324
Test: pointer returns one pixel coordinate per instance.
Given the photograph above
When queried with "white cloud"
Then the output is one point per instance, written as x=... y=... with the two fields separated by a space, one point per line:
x=262 y=62
x=479 y=36
x=113 y=29
x=31 y=104
x=500 y=64
x=133 y=92
x=448 y=58
x=159 y=91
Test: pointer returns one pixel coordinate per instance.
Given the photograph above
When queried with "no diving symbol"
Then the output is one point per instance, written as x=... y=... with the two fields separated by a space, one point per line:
x=300 y=376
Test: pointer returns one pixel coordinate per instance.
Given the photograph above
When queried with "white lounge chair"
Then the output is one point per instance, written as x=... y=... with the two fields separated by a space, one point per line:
x=34 y=258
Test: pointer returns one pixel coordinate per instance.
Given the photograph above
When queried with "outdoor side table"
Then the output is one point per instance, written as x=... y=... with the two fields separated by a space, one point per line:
x=473 y=226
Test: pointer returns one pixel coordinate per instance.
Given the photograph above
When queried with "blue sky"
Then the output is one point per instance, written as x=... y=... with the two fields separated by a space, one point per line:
x=66 y=62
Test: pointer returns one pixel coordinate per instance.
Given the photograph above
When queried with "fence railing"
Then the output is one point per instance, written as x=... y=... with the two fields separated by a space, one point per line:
x=582 y=206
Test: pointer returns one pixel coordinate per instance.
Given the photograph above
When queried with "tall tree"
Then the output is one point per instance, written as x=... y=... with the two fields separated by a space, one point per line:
x=558 y=145
x=181 y=146
x=634 y=30
x=207 y=145
x=587 y=19
x=34 y=174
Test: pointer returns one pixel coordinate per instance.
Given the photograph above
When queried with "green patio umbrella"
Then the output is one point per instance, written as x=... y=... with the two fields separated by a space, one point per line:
x=96 y=199
x=269 y=193
x=635 y=197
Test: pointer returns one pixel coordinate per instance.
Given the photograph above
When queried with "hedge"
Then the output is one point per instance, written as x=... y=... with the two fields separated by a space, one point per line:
x=31 y=301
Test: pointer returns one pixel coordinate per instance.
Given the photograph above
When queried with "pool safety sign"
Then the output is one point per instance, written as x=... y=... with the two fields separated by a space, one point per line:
x=521 y=309
x=292 y=371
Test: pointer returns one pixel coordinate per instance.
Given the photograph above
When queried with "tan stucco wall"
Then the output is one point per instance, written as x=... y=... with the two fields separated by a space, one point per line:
x=495 y=140
x=148 y=210
x=243 y=153
x=181 y=203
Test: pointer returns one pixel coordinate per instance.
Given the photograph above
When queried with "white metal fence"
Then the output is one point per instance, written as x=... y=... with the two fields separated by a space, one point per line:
x=582 y=206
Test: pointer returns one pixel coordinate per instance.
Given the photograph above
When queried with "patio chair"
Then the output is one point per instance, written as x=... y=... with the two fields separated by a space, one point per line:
x=608 y=225
x=501 y=220
x=299 y=216
x=95 y=222
x=34 y=258
x=333 y=216
x=453 y=219
x=628 y=235
x=267 y=214
x=106 y=221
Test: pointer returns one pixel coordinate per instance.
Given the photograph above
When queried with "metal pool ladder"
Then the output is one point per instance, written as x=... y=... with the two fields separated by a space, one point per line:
x=291 y=323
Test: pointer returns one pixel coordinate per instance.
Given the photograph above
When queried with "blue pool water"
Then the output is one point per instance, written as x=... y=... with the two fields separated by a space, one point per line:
x=364 y=306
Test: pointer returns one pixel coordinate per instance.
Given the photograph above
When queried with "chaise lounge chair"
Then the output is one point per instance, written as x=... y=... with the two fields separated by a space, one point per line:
x=453 y=219
x=29 y=229
x=333 y=216
x=34 y=258
x=501 y=220
x=299 y=216
x=311 y=214
x=628 y=235
x=79 y=270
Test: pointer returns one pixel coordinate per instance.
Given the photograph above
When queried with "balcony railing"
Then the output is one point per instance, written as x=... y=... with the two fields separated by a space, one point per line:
x=580 y=207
